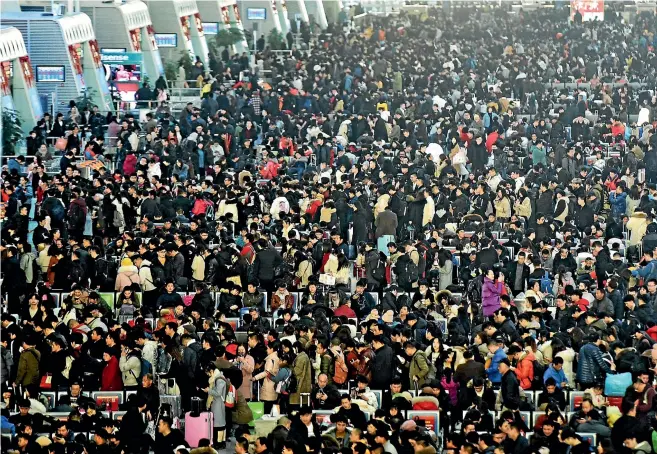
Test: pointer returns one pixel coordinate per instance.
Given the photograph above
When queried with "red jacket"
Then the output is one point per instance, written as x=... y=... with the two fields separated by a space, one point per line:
x=130 y=165
x=490 y=140
x=652 y=332
x=111 y=379
x=525 y=371
x=344 y=310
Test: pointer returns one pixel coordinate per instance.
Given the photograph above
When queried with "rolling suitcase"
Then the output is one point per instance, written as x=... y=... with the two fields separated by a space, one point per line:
x=198 y=425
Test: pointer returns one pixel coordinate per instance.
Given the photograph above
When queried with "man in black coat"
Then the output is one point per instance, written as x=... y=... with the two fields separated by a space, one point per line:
x=303 y=426
x=382 y=365
x=583 y=214
x=517 y=274
x=509 y=386
x=477 y=154
x=267 y=259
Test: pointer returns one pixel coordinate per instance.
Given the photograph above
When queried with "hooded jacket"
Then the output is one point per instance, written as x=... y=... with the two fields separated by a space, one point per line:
x=127 y=275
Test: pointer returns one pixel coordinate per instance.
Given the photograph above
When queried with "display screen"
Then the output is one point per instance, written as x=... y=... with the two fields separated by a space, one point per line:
x=50 y=73
x=256 y=13
x=112 y=49
x=166 y=39
x=123 y=72
x=210 y=28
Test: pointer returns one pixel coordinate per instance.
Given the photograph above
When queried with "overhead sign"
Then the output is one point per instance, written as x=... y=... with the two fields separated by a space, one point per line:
x=121 y=58
x=166 y=39
x=50 y=73
x=256 y=13
x=589 y=9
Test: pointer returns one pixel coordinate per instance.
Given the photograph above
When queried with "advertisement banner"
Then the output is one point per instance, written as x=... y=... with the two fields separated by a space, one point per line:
x=236 y=11
x=184 y=22
x=135 y=39
x=273 y=6
x=199 y=23
x=589 y=9
x=124 y=72
x=225 y=15
x=151 y=35
x=28 y=73
x=283 y=5
x=76 y=65
x=5 y=78
x=95 y=53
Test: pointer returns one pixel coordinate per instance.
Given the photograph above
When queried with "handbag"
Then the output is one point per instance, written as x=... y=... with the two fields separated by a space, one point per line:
x=60 y=144
x=326 y=279
x=460 y=157
x=46 y=381
x=616 y=384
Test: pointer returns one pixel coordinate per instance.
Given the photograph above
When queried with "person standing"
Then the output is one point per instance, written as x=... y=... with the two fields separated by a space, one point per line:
x=268 y=393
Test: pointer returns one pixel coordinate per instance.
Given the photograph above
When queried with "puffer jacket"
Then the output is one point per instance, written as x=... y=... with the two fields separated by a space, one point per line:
x=591 y=364
x=525 y=370
x=126 y=276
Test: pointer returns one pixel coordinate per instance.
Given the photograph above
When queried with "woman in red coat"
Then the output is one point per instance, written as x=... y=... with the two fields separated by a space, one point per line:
x=111 y=378
x=130 y=164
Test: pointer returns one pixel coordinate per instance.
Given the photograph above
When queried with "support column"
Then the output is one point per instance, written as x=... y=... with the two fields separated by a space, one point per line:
x=321 y=14
x=285 y=23
x=303 y=11
x=274 y=15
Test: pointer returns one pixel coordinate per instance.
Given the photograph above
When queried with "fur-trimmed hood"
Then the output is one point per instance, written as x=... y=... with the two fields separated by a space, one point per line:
x=207 y=450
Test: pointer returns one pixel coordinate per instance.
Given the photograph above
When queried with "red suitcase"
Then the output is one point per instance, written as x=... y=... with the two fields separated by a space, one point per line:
x=198 y=426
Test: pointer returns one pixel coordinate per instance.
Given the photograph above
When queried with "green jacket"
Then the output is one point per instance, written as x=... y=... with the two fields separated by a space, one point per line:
x=419 y=367
x=327 y=367
x=28 y=368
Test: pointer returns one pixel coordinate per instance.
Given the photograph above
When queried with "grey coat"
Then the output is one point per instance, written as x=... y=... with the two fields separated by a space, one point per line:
x=386 y=223
x=218 y=407
x=6 y=363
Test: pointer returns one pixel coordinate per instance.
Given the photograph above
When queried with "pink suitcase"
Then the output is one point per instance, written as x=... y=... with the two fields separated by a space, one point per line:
x=198 y=426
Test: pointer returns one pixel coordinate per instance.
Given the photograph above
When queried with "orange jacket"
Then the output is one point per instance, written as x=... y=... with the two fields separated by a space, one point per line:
x=525 y=371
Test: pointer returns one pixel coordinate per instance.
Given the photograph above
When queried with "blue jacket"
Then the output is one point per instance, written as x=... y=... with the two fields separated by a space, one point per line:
x=618 y=203
x=558 y=375
x=493 y=374
x=647 y=272
x=13 y=164
x=591 y=364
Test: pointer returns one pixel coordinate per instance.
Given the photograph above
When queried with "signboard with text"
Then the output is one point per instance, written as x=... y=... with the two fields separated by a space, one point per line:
x=589 y=9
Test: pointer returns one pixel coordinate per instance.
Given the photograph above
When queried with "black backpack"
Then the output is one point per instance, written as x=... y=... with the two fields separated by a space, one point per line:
x=77 y=218
x=539 y=371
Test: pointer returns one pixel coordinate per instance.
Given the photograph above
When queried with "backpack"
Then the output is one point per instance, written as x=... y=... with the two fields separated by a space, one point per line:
x=118 y=221
x=474 y=289
x=539 y=370
x=77 y=218
x=231 y=395
x=288 y=385
x=546 y=283
x=146 y=368
x=340 y=375
x=379 y=272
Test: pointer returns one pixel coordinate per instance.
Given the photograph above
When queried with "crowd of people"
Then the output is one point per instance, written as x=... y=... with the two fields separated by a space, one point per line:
x=416 y=214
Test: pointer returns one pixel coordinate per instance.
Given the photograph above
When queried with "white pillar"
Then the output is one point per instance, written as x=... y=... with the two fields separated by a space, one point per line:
x=274 y=14
x=286 y=19
x=303 y=11
x=321 y=14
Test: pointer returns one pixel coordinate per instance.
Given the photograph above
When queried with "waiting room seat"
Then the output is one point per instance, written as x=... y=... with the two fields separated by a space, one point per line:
x=109 y=400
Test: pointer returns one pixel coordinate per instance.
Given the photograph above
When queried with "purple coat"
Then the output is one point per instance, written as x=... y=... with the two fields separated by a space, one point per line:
x=490 y=296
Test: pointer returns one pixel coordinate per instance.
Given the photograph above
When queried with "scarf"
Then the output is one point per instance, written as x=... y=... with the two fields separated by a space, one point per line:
x=216 y=374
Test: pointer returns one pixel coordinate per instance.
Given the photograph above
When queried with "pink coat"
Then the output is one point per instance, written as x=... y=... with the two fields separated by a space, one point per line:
x=127 y=276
